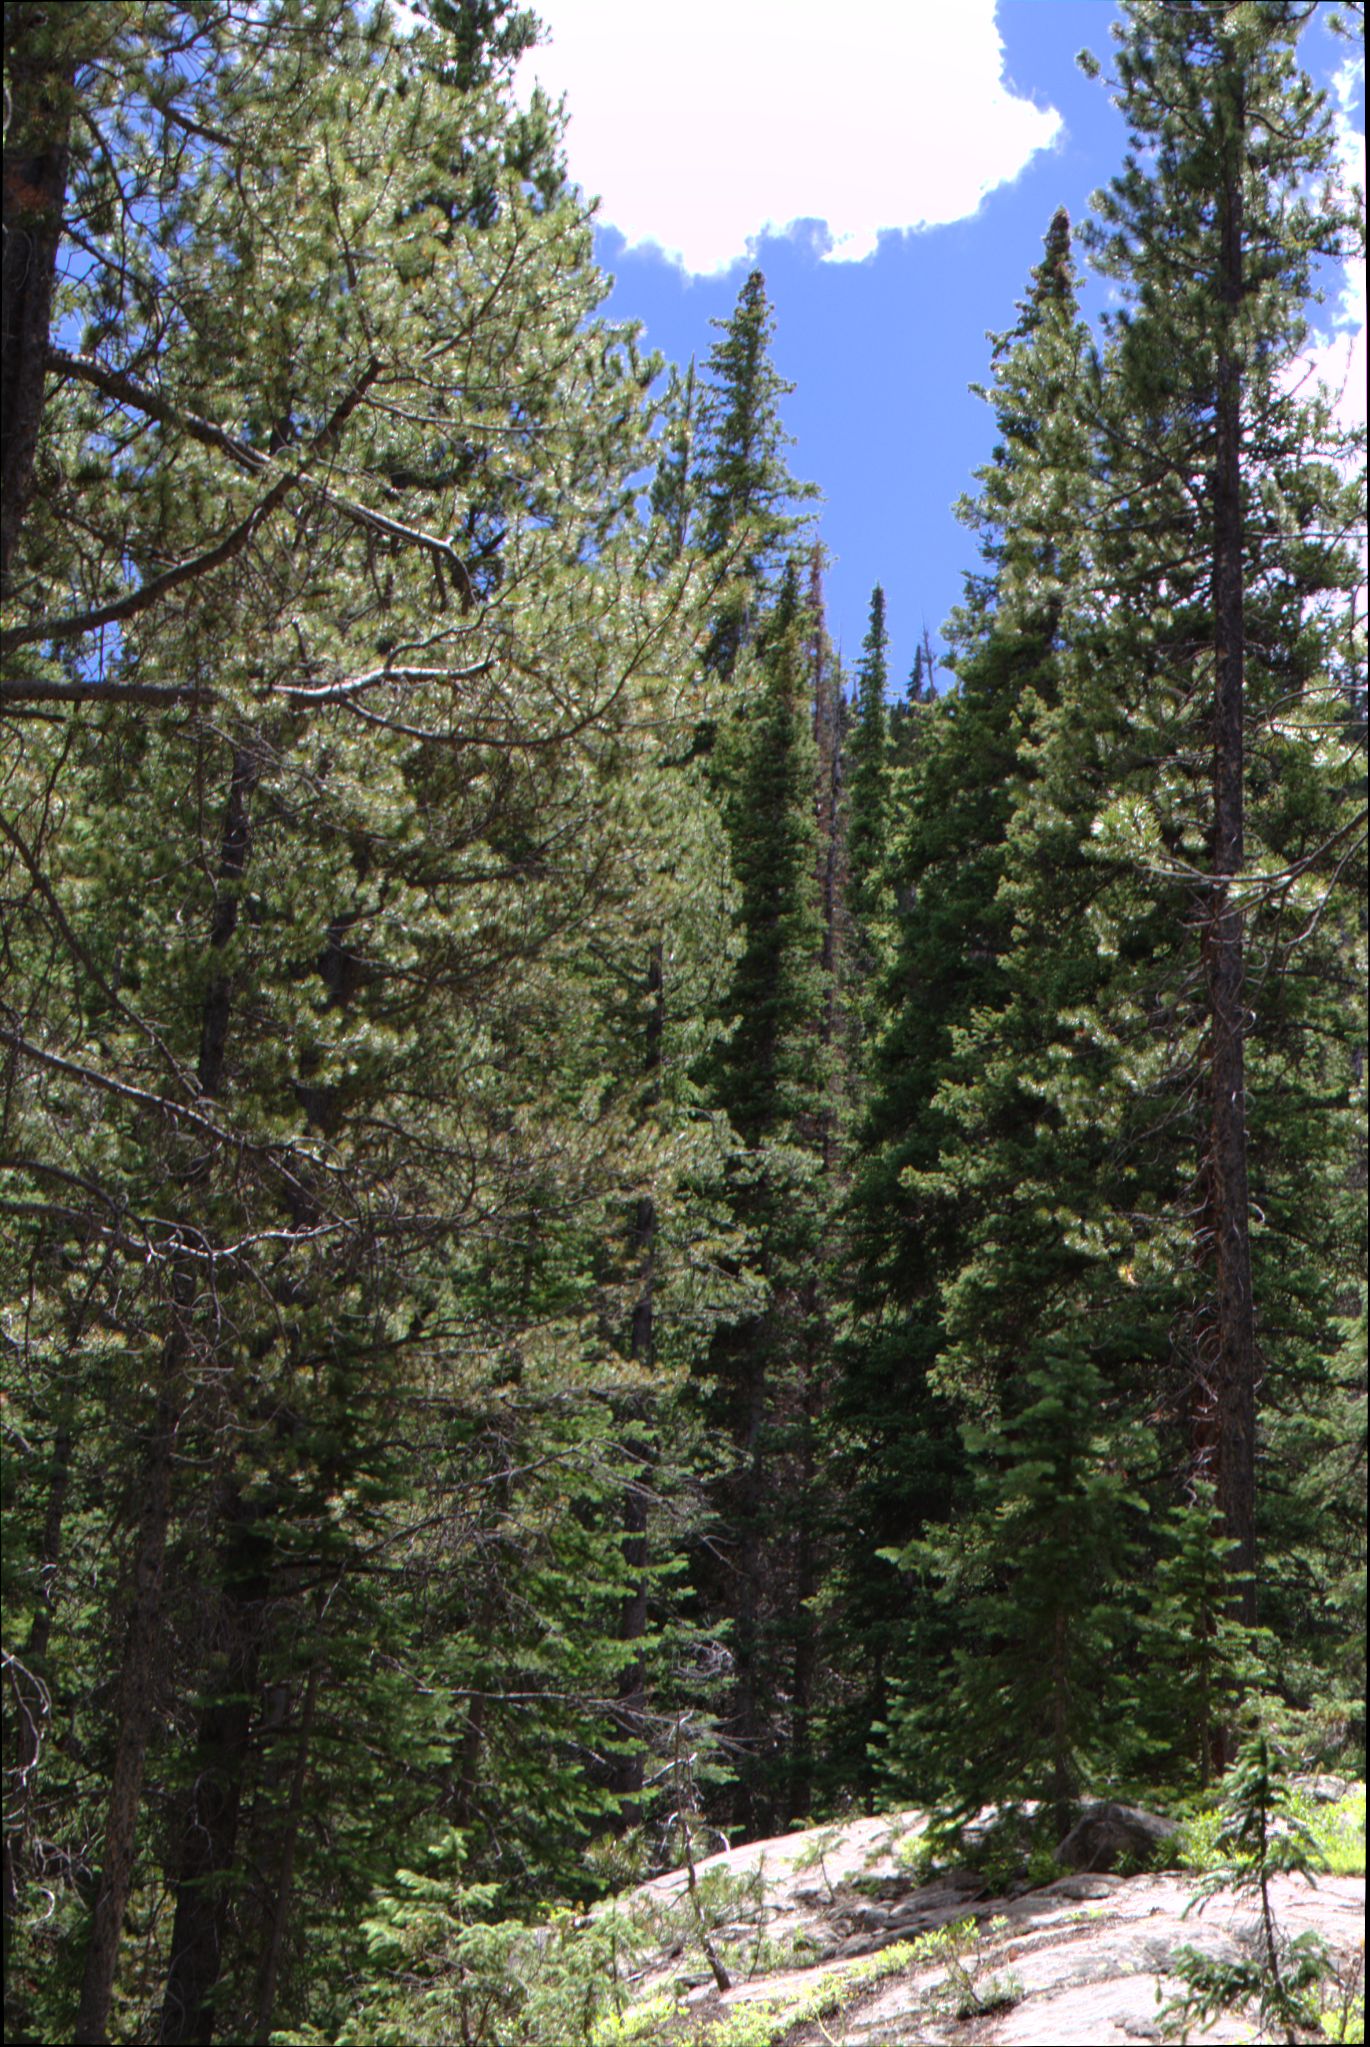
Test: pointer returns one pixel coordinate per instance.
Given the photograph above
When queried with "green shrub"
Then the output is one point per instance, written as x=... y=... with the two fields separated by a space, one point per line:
x=1340 y=1833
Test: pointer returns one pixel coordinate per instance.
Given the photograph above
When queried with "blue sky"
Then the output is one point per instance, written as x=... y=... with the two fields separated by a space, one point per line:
x=893 y=174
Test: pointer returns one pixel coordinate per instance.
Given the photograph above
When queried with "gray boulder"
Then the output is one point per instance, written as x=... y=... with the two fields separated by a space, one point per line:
x=1105 y=1834
x=1324 y=1790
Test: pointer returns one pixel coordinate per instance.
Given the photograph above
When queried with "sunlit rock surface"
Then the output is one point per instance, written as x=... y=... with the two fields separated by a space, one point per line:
x=1088 y=1959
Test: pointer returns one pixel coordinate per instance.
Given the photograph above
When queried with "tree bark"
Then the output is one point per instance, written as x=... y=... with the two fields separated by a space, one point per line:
x=1231 y=1394
x=629 y=1770
x=468 y=1775
x=275 y=1946
x=139 y=1671
x=37 y=152
x=211 y=1823
x=138 y=1685
x=210 y=1829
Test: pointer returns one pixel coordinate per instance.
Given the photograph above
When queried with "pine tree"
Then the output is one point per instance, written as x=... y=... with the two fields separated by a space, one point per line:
x=1074 y=1099
x=745 y=491
x=771 y=1077
x=674 y=484
x=1032 y=1571
x=906 y=712
x=1213 y=229
x=868 y=773
x=832 y=810
x=1196 y=1658
x=775 y=766
x=913 y=1226
x=358 y=705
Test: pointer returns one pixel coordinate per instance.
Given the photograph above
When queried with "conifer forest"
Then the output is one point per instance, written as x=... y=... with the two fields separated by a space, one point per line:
x=615 y=1227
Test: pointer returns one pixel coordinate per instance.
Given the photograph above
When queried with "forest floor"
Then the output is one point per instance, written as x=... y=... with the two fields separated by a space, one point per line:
x=833 y=1937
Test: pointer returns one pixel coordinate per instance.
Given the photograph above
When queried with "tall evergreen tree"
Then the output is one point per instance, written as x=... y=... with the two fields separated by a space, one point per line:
x=1079 y=1096
x=911 y=1229
x=869 y=770
x=906 y=712
x=746 y=495
x=674 y=486
x=770 y=1075
x=1213 y=230
x=335 y=813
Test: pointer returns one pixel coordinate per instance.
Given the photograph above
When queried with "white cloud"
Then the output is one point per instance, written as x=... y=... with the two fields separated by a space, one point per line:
x=698 y=128
x=1338 y=359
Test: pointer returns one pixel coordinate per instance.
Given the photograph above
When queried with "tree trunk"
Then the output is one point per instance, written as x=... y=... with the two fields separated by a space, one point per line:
x=139 y=1672
x=628 y=1770
x=210 y=1829
x=1232 y=1350
x=233 y=853
x=39 y=108
x=468 y=1775
x=211 y=1823
x=275 y=1946
x=28 y=1717
x=138 y=1685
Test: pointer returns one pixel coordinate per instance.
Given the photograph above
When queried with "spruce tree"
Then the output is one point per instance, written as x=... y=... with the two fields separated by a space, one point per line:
x=1032 y=1571
x=868 y=772
x=912 y=1226
x=673 y=485
x=745 y=515
x=771 y=1077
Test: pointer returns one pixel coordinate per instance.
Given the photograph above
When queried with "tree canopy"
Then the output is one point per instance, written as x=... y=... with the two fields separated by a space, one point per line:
x=612 y=1231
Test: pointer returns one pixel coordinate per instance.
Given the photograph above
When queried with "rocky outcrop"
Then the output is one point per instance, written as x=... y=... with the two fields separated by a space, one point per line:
x=1106 y=1836
x=1323 y=1790
x=834 y=1938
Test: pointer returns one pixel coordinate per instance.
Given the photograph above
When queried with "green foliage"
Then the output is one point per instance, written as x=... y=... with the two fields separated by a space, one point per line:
x=1039 y=1144
x=770 y=1081
x=952 y=1216
x=575 y=1211
x=960 y=1949
x=1013 y=1846
x=868 y=772
x=764 y=2022
x=440 y=1963
x=1261 y=1834
x=1337 y=1833
x=643 y=2022
x=322 y=981
x=743 y=487
x=1034 y=1573
x=1196 y=1659
x=1344 y=2018
x=774 y=1072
